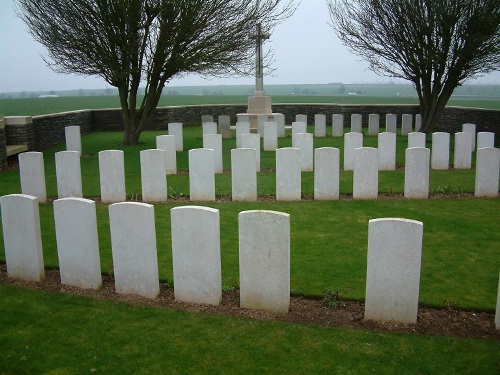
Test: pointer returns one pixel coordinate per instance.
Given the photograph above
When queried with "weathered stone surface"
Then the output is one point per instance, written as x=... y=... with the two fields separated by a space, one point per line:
x=133 y=247
x=112 y=176
x=298 y=127
x=167 y=144
x=352 y=141
x=261 y=119
x=326 y=173
x=416 y=139
x=201 y=175
x=279 y=118
x=207 y=118
x=214 y=142
x=22 y=237
x=471 y=128
x=270 y=136
x=77 y=242
x=417 y=173
x=418 y=122
x=320 y=125
x=304 y=142
x=264 y=251
x=176 y=129
x=196 y=254
x=393 y=270
x=288 y=175
x=241 y=128
x=485 y=139
x=32 y=175
x=338 y=125
x=243 y=174
x=487 y=172
x=406 y=124
x=301 y=118
x=73 y=139
x=356 y=123
x=391 y=123
x=252 y=141
x=209 y=128
x=153 y=179
x=68 y=174
x=387 y=151
x=462 y=156
x=225 y=126
x=365 y=173
x=373 y=124
x=440 y=155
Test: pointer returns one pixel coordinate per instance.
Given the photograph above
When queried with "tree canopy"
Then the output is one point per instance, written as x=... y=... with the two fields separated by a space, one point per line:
x=134 y=42
x=437 y=45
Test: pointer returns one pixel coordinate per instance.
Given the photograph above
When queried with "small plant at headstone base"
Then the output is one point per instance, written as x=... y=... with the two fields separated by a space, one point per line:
x=447 y=190
x=332 y=298
x=174 y=192
x=134 y=197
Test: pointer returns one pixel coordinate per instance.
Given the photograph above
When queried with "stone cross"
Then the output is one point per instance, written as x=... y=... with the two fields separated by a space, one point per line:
x=259 y=63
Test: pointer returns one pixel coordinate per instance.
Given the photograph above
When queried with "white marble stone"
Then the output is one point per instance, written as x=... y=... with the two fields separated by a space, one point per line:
x=326 y=173
x=241 y=128
x=176 y=129
x=214 y=142
x=206 y=118
x=261 y=119
x=320 y=125
x=301 y=118
x=112 y=176
x=32 y=175
x=356 y=123
x=418 y=122
x=391 y=123
x=167 y=144
x=393 y=270
x=487 y=172
x=387 y=151
x=133 y=247
x=264 y=254
x=373 y=124
x=365 y=173
x=209 y=128
x=288 y=175
x=497 y=311
x=22 y=237
x=417 y=173
x=485 y=139
x=201 y=174
x=196 y=254
x=471 y=128
x=153 y=179
x=298 y=127
x=73 y=139
x=462 y=155
x=243 y=174
x=243 y=117
x=406 y=124
x=279 y=119
x=416 y=139
x=440 y=155
x=352 y=141
x=338 y=125
x=270 y=136
x=68 y=174
x=77 y=242
x=252 y=141
x=225 y=126
x=305 y=143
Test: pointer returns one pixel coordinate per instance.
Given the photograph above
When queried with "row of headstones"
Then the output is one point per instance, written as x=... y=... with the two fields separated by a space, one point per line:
x=393 y=265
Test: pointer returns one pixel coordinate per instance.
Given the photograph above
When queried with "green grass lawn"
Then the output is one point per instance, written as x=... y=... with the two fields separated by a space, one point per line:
x=51 y=333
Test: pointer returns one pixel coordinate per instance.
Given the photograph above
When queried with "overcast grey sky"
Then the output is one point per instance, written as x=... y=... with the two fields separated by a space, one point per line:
x=306 y=50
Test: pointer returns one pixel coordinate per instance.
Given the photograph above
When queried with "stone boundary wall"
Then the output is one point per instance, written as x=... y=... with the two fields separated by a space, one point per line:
x=3 y=144
x=48 y=130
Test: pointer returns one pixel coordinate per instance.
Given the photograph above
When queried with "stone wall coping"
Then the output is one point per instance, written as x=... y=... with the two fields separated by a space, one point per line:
x=18 y=120
x=2 y=123
x=49 y=115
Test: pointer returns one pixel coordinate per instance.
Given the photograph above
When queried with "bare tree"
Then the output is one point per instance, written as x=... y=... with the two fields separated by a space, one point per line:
x=436 y=44
x=134 y=42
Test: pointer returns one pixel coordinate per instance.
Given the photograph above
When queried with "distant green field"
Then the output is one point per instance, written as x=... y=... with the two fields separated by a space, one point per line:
x=41 y=106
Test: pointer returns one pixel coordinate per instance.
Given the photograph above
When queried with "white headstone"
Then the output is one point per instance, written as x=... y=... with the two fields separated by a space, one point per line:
x=393 y=269
x=201 y=175
x=391 y=123
x=167 y=144
x=301 y=118
x=387 y=151
x=73 y=139
x=406 y=124
x=32 y=175
x=320 y=125
x=243 y=117
x=112 y=176
x=270 y=136
x=365 y=173
x=288 y=175
x=209 y=128
x=373 y=124
x=418 y=122
x=252 y=141
x=471 y=128
x=196 y=254
x=338 y=125
x=462 y=156
x=225 y=126
x=175 y=129
x=264 y=252
x=298 y=127
x=243 y=174
x=214 y=142
x=77 y=242
x=279 y=118
x=153 y=179
x=416 y=139
x=440 y=155
x=206 y=118
x=326 y=173
x=356 y=124
x=485 y=139
x=304 y=142
x=417 y=172
x=241 y=128
x=261 y=119
x=22 y=237
x=487 y=172
x=133 y=247
x=68 y=174
x=352 y=141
